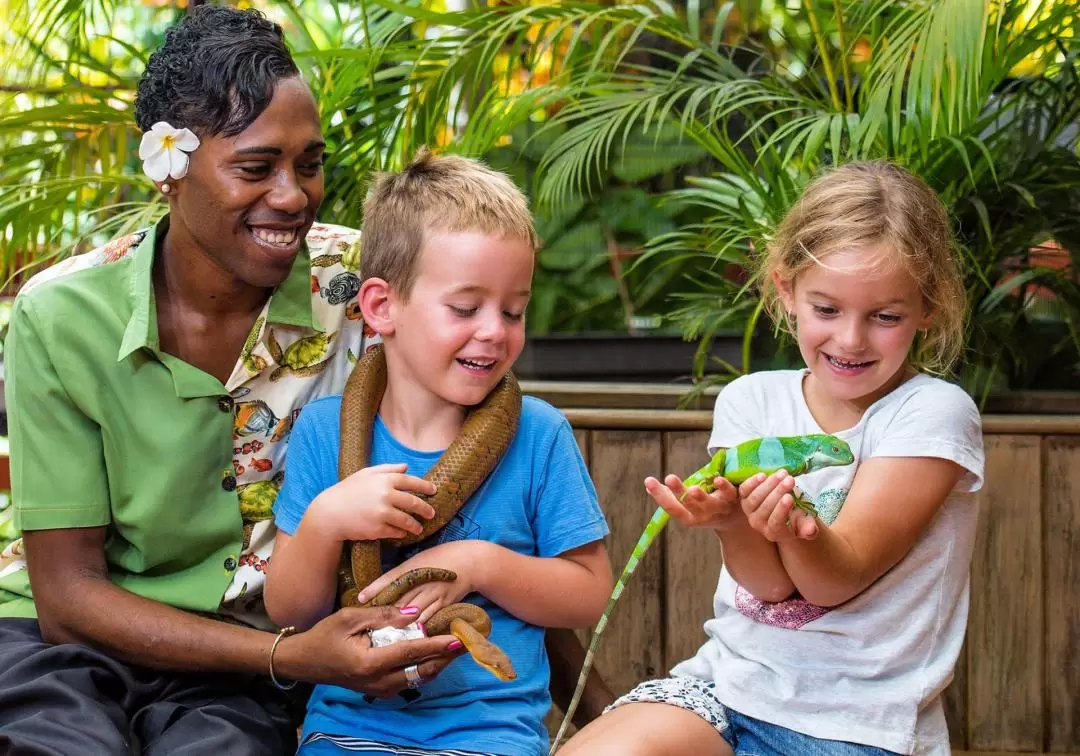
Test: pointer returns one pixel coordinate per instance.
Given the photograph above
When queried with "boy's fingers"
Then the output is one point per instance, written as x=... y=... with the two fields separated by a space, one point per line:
x=413 y=504
x=413 y=483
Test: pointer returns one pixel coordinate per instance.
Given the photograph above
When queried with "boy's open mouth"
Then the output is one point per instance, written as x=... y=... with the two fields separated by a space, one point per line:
x=480 y=366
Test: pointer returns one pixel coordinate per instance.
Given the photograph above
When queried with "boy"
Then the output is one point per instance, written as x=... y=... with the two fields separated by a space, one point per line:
x=447 y=269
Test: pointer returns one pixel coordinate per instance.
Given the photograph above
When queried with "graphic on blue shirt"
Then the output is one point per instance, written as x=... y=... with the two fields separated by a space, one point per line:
x=538 y=501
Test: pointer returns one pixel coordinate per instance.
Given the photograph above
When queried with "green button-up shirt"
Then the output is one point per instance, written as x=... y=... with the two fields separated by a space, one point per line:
x=108 y=430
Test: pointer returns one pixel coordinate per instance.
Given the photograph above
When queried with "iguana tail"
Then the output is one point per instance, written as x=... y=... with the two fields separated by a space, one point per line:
x=652 y=530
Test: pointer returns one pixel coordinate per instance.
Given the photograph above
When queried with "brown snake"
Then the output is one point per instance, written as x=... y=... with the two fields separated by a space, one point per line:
x=488 y=429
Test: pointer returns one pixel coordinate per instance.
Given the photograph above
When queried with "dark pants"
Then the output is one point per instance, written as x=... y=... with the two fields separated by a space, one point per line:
x=61 y=700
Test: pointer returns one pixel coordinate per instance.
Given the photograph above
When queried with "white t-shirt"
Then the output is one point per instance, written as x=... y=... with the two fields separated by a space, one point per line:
x=871 y=670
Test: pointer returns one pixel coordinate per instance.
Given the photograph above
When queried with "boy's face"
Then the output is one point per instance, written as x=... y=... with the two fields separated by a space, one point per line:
x=463 y=326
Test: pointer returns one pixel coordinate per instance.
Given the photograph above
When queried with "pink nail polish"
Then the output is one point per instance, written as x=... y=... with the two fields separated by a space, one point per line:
x=410 y=610
x=454 y=645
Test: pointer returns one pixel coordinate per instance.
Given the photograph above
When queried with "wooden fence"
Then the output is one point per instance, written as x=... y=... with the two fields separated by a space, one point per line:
x=1017 y=686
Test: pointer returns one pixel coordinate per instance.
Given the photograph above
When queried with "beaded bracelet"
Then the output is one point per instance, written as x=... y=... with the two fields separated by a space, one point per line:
x=284 y=632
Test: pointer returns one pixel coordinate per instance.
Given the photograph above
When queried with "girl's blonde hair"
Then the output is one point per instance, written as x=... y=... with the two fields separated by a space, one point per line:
x=882 y=208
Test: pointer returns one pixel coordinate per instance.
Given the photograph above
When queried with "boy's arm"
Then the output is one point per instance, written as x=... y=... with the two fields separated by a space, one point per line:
x=301 y=579
x=569 y=590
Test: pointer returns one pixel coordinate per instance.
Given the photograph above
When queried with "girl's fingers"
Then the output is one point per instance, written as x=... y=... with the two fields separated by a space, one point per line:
x=778 y=518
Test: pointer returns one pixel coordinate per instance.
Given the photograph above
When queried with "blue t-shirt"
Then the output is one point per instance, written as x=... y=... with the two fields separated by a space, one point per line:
x=539 y=501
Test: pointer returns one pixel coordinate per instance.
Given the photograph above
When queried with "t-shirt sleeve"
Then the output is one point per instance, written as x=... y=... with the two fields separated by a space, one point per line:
x=58 y=477
x=938 y=421
x=310 y=462
x=567 y=513
x=733 y=414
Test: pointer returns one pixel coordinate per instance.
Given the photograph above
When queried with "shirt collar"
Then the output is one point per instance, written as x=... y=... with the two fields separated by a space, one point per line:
x=290 y=303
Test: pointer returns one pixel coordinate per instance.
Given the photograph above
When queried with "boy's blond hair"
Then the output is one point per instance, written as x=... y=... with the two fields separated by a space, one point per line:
x=882 y=208
x=445 y=193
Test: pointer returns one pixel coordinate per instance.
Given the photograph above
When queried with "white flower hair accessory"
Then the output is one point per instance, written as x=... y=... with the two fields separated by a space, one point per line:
x=164 y=151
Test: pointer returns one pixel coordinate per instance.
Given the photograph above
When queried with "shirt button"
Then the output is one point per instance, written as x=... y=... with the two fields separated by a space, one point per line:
x=230 y=564
x=229 y=482
x=225 y=404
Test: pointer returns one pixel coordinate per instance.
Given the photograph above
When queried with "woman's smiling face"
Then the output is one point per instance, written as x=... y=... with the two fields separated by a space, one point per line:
x=855 y=325
x=248 y=200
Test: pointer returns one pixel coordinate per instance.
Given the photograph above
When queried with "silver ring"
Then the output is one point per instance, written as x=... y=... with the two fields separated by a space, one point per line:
x=412 y=676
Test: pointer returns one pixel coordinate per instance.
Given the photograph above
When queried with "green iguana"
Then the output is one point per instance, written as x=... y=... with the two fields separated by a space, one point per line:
x=796 y=454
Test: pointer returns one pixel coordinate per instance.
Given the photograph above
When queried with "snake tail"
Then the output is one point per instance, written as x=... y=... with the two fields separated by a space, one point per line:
x=656 y=525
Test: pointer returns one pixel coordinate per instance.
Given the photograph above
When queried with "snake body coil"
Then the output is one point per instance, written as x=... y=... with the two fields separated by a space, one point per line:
x=484 y=437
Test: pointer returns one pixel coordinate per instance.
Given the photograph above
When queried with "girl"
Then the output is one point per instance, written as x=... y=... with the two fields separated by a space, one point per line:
x=837 y=634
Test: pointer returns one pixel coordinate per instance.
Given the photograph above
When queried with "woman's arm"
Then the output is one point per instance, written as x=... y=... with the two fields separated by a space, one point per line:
x=71 y=589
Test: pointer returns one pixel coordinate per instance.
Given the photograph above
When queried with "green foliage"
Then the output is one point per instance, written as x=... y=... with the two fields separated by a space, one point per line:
x=978 y=98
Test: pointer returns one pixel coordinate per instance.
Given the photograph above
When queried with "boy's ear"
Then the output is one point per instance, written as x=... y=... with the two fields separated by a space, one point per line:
x=784 y=288
x=375 y=299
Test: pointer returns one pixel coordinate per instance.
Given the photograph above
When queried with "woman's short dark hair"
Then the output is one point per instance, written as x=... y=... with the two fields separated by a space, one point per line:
x=215 y=73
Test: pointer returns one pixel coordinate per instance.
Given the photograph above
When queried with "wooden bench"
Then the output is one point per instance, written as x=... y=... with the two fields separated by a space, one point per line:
x=1017 y=684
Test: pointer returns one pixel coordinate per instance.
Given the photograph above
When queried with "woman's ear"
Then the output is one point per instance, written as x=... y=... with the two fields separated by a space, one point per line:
x=375 y=298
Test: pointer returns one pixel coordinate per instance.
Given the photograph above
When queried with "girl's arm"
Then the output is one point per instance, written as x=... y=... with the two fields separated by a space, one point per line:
x=891 y=503
x=754 y=562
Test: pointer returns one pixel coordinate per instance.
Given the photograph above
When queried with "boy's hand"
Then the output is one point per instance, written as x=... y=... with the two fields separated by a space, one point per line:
x=769 y=504
x=372 y=503
x=717 y=510
x=466 y=558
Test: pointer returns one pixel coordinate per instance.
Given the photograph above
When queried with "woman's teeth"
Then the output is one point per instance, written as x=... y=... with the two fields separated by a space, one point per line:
x=279 y=238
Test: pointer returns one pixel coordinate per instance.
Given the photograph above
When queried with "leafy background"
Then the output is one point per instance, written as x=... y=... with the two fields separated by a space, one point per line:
x=660 y=142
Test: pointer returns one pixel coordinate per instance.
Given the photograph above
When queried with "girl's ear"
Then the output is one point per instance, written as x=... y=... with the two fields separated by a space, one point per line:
x=786 y=291
x=376 y=299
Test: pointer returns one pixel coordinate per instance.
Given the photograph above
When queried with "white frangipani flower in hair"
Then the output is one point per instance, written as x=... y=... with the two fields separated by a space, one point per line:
x=164 y=151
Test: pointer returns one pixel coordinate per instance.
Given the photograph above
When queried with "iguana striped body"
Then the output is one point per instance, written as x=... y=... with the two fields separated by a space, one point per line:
x=796 y=454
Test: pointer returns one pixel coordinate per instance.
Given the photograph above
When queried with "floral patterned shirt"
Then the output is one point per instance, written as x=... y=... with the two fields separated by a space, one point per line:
x=182 y=469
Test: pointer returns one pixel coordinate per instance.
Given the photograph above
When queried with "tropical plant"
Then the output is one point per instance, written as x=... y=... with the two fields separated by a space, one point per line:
x=979 y=98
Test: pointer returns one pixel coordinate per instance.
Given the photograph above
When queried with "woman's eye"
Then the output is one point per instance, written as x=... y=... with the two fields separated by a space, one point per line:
x=462 y=312
x=254 y=170
x=312 y=168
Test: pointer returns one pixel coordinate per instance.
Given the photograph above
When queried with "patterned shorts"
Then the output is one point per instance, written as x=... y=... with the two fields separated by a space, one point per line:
x=746 y=736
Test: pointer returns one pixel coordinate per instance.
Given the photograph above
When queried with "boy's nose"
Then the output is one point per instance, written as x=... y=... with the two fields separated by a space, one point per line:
x=491 y=329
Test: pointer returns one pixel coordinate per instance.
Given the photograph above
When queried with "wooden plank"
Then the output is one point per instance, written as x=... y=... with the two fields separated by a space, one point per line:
x=693 y=559
x=1005 y=631
x=954 y=700
x=671 y=419
x=1061 y=502
x=631 y=648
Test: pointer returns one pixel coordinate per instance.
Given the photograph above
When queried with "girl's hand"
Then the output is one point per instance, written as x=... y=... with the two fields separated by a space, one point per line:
x=372 y=503
x=716 y=510
x=466 y=558
x=769 y=505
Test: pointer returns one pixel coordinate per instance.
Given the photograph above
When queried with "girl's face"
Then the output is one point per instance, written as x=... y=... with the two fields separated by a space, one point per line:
x=855 y=327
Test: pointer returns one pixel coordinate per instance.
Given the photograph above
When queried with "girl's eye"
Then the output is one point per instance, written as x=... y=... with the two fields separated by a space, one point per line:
x=889 y=319
x=462 y=312
x=824 y=310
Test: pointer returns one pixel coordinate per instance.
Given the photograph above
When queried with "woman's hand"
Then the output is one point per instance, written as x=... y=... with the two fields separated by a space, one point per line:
x=338 y=651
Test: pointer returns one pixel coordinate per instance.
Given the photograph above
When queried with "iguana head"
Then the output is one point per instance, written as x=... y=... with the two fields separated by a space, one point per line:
x=829 y=451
